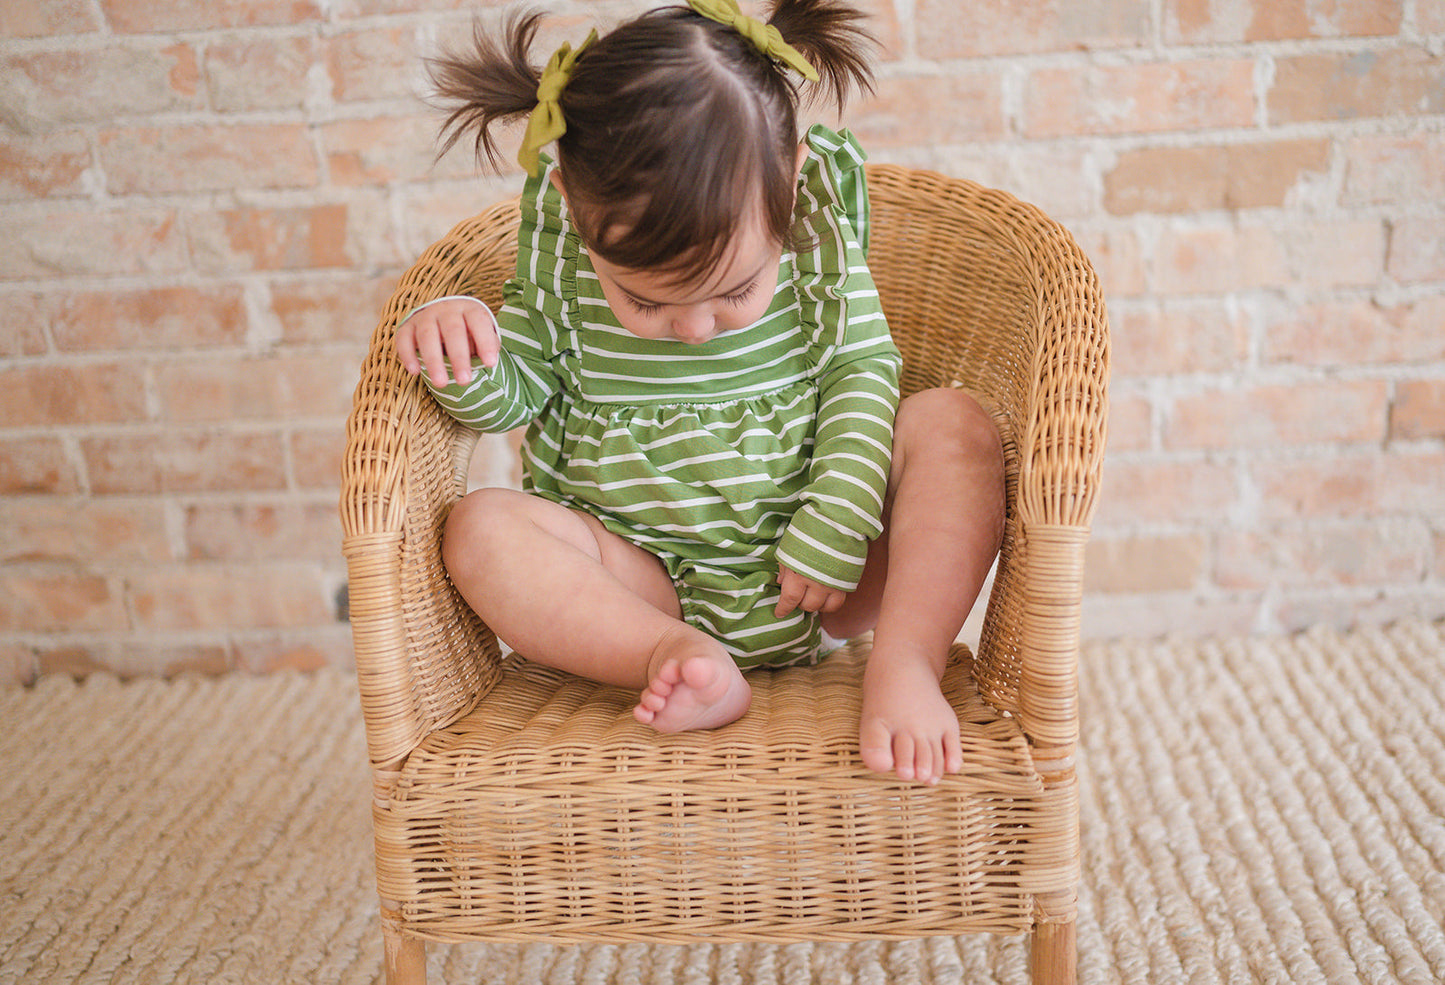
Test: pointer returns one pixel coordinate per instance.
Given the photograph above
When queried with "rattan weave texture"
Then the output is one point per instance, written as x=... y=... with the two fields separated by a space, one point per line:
x=513 y=803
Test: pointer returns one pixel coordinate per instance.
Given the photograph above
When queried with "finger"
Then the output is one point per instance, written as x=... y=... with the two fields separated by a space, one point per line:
x=835 y=601
x=458 y=344
x=406 y=348
x=791 y=591
x=483 y=331
x=816 y=598
x=429 y=346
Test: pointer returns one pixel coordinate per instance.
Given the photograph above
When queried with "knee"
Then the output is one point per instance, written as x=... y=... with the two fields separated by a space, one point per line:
x=472 y=520
x=949 y=423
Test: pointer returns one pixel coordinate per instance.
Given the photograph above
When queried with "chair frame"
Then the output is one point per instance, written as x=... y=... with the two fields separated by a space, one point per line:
x=424 y=660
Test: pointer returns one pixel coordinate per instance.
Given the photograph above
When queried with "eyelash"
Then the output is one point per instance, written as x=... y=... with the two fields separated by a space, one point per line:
x=736 y=300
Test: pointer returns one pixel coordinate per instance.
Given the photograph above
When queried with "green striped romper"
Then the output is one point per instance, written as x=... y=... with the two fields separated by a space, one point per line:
x=766 y=446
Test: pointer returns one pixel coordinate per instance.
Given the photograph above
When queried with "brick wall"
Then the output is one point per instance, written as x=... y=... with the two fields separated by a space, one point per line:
x=202 y=206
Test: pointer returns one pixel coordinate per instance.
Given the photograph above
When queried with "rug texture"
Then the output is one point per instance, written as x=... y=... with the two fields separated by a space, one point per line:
x=1259 y=810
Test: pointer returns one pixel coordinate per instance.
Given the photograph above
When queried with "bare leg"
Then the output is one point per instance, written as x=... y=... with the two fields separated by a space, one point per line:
x=942 y=527
x=566 y=592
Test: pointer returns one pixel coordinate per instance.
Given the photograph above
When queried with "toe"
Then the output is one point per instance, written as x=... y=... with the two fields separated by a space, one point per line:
x=875 y=745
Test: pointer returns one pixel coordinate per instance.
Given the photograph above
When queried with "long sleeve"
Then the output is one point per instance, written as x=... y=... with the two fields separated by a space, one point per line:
x=858 y=370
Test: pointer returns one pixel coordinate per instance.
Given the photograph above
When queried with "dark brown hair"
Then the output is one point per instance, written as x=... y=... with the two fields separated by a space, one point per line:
x=675 y=123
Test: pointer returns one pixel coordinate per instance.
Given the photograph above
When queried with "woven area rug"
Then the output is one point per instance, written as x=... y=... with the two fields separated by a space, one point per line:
x=1253 y=811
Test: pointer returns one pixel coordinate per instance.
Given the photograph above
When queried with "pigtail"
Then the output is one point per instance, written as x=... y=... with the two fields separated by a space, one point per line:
x=831 y=35
x=493 y=82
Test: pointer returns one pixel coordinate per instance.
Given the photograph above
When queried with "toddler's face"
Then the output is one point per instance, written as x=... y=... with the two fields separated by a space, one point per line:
x=736 y=293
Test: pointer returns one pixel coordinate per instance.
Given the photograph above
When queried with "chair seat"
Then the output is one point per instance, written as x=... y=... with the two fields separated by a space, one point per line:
x=549 y=813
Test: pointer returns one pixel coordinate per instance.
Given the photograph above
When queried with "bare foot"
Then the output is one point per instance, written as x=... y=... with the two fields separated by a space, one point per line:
x=694 y=690
x=907 y=727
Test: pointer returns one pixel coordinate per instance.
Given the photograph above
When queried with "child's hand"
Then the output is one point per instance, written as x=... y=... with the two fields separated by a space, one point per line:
x=457 y=328
x=804 y=593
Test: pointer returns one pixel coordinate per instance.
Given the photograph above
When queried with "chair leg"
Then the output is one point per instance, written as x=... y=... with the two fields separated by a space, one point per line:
x=405 y=956
x=1054 y=956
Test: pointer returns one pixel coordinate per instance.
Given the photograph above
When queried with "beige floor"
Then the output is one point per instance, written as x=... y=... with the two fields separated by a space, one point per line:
x=1254 y=811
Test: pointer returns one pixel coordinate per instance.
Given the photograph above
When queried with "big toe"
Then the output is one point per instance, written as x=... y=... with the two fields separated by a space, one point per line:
x=875 y=744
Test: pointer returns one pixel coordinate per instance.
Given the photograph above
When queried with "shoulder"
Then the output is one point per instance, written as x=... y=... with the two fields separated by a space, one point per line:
x=832 y=179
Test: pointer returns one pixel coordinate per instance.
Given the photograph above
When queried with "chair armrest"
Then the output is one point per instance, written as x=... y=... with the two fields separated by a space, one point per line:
x=423 y=658
x=1029 y=650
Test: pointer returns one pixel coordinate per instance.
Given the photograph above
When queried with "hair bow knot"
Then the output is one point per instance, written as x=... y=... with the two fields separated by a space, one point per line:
x=546 y=123
x=765 y=37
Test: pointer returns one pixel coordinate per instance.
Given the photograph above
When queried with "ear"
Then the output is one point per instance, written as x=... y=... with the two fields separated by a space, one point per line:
x=802 y=156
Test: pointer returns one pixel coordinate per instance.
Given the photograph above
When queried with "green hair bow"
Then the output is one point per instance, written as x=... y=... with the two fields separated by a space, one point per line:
x=546 y=123
x=765 y=37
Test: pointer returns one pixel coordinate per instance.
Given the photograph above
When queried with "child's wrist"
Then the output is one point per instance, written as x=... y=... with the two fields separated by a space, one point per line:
x=450 y=297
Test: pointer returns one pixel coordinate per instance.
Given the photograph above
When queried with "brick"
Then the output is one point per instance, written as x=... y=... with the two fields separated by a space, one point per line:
x=148 y=657
x=341 y=308
x=49 y=166
x=36 y=465
x=160 y=318
x=146 y=16
x=1403 y=82
x=303 y=650
x=1178 y=337
x=431 y=210
x=906 y=110
x=79 y=531
x=43 y=18
x=74 y=242
x=948 y=29
x=26 y=318
x=1417 y=249
x=1269 y=416
x=94 y=393
x=1349 y=553
x=1387 y=170
x=1131 y=422
x=227 y=241
x=1117 y=256
x=316 y=457
x=180 y=159
x=1352 y=332
x=246 y=75
x=1201 y=94
x=1430 y=17
x=50 y=89
x=1206 y=21
x=1349 y=609
x=285 y=386
x=228 y=596
x=1346 y=483
x=1168 y=614
x=1146 y=564
x=1146 y=491
x=47 y=602
x=1198 y=179
x=377 y=63
x=262 y=531
x=1213 y=258
x=1418 y=410
x=184 y=461
x=387 y=149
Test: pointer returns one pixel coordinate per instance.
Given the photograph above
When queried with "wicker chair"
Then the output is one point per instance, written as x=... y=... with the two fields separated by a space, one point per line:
x=514 y=803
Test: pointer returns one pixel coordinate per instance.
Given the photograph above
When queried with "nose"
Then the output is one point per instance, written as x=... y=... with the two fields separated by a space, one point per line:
x=694 y=325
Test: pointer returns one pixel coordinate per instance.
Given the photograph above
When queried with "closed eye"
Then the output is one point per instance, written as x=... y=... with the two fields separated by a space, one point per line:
x=742 y=297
